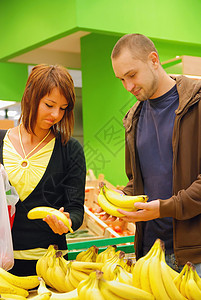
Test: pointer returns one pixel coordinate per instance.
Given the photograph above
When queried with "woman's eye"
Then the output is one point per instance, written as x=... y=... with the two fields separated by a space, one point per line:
x=48 y=105
x=63 y=109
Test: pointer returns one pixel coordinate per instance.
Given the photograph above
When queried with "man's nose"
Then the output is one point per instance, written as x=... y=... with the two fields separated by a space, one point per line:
x=129 y=86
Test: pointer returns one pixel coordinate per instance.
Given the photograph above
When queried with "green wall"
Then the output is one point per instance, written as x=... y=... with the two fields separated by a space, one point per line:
x=13 y=78
x=105 y=102
x=26 y=25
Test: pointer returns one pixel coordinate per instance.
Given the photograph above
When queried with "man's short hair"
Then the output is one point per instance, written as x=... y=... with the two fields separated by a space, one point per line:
x=139 y=45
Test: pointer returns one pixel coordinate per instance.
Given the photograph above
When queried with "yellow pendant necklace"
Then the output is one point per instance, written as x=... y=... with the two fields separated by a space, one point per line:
x=24 y=162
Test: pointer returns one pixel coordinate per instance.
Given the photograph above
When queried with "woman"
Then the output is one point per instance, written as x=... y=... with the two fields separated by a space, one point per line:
x=45 y=165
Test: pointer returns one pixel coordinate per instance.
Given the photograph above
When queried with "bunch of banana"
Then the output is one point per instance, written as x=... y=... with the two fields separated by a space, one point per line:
x=121 y=275
x=129 y=265
x=152 y=274
x=16 y=285
x=41 y=212
x=106 y=254
x=89 y=289
x=42 y=263
x=88 y=255
x=110 y=265
x=189 y=282
x=110 y=200
x=72 y=295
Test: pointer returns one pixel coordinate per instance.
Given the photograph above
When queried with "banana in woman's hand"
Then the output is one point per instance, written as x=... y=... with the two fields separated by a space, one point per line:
x=41 y=212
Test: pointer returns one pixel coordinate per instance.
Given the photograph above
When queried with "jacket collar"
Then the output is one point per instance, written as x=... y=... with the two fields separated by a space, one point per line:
x=189 y=91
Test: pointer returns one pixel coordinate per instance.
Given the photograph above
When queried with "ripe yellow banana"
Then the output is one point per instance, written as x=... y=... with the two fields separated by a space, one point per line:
x=128 y=266
x=177 y=280
x=79 y=275
x=73 y=295
x=110 y=208
x=139 y=263
x=121 y=275
x=89 y=289
x=155 y=276
x=42 y=263
x=110 y=265
x=197 y=279
x=107 y=253
x=169 y=284
x=108 y=294
x=8 y=288
x=192 y=288
x=41 y=212
x=86 y=267
x=44 y=296
x=12 y=297
x=88 y=255
x=127 y=291
x=121 y=200
x=58 y=276
x=25 y=282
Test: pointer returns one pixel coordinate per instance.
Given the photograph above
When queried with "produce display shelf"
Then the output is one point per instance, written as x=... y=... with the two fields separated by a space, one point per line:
x=125 y=243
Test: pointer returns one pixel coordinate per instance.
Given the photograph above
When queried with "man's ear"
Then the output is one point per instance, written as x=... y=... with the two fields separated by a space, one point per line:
x=154 y=59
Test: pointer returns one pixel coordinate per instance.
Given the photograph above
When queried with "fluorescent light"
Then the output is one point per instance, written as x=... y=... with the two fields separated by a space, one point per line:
x=4 y=103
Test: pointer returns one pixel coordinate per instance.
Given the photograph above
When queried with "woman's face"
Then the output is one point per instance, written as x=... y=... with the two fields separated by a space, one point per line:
x=51 y=109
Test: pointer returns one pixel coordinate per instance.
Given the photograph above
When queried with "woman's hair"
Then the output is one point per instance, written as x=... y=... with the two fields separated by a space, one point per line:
x=138 y=44
x=41 y=81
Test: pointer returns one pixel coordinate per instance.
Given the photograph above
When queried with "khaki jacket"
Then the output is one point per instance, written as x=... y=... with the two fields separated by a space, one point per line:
x=185 y=204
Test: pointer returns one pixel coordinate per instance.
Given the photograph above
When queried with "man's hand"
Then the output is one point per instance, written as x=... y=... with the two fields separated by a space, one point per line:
x=57 y=225
x=147 y=211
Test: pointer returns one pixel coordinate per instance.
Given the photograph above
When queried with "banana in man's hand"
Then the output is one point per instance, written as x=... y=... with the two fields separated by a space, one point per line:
x=41 y=212
x=122 y=200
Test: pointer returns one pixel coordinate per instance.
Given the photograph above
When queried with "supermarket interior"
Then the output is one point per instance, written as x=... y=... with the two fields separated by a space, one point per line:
x=67 y=183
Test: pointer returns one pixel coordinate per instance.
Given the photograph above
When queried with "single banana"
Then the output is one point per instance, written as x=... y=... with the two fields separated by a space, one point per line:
x=12 y=297
x=122 y=275
x=169 y=284
x=172 y=272
x=89 y=289
x=177 y=280
x=44 y=296
x=107 y=253
x=79 y=275
x=58 y=275
x=25 y=282
x=127 y=292
x=108 y=294
x=73 y=295
x=73 y=280
x=155 y=277
x=69 y=287
x=144 y=275
x=86 y=267
x=197 y=279
x=110 y=208
x=192 y=288
x=8 y=288
x=48 y=275
x=110 y=265
x=182 y=287
x=139 y=263
x=41 y=212
x=121 y=200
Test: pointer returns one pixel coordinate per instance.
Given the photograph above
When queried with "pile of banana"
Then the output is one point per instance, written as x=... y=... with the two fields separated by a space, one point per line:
x=188 y=282
x=17 y=287
x=110 y=200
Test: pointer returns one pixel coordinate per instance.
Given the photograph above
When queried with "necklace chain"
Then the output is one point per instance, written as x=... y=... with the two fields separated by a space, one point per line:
x=20 y=137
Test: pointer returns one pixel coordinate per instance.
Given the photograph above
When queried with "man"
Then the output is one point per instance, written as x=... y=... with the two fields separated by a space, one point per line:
x=163 y=152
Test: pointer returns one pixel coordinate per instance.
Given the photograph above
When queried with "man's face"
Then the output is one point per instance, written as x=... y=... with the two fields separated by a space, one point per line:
x=138 y=77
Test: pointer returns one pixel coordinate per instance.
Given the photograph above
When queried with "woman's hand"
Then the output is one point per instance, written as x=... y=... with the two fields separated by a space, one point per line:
x=57 y=225
x=147 y=211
